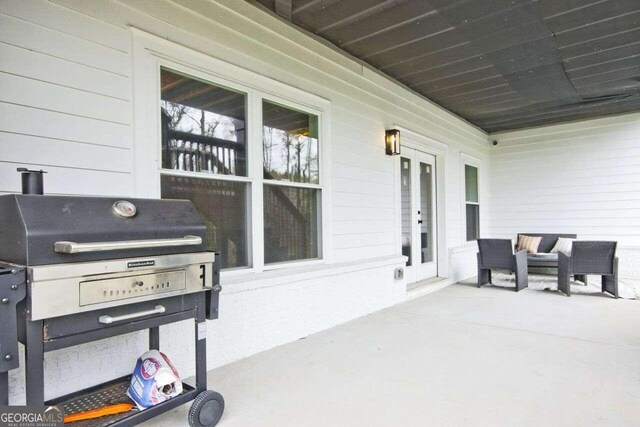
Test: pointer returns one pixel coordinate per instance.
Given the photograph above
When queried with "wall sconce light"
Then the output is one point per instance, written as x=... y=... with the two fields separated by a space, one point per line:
x=392 y=142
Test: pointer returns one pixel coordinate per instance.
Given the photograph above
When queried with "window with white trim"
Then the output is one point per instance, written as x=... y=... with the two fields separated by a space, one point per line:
x=472 y=204
x=291 y=190
x=210 y=154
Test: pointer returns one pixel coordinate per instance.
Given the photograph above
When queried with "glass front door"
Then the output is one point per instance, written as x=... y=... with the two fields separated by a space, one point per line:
x=418 y=214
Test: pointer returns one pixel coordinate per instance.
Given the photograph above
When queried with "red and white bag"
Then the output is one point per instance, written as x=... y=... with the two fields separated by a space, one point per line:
x=154 y=380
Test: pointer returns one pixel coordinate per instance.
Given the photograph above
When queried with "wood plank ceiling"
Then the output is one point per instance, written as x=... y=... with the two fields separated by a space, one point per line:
x=500 y=64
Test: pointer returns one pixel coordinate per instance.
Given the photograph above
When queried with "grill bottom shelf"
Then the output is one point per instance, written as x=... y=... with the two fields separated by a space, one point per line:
x=111 y=393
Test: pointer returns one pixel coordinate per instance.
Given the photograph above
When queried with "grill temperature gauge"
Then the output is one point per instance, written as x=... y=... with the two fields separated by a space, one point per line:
x=124 y=209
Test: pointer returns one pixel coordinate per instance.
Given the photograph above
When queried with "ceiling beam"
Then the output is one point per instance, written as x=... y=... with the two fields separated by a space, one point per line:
x=284 y=8
x=301 y=8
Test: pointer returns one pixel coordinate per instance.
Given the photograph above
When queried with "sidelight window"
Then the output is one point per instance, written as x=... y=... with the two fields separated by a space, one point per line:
x=472 y=205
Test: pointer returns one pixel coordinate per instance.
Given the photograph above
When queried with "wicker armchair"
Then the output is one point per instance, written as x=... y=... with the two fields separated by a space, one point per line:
x=498 y=254
x=589 y=257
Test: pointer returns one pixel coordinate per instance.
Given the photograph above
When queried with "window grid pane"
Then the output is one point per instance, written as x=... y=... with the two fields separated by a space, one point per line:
x=291 y=227
x=203 y=126
x=405 y=208
x=473 y=222
x=290 y=144
x=471 y=183
x=426 y=213
x=223 y=204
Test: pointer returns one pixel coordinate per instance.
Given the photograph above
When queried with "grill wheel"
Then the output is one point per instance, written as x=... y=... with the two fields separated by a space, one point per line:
x=206 y=409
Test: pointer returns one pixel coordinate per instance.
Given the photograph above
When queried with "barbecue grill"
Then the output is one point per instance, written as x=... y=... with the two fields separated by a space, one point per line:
x=80 y=269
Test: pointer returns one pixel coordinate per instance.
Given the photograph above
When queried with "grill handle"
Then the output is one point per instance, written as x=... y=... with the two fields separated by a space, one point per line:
x=76 y=248
x=107 y=320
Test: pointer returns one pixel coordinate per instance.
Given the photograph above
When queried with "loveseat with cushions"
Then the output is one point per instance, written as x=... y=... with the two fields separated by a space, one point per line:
x=543 y=257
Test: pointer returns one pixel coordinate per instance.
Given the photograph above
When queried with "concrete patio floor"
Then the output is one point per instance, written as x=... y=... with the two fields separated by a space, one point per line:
x=460 y=356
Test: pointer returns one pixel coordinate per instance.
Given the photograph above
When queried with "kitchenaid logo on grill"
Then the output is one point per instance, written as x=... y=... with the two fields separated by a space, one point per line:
x=134 y=264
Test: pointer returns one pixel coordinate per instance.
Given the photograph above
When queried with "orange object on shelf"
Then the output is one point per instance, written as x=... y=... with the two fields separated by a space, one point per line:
x=99 y=412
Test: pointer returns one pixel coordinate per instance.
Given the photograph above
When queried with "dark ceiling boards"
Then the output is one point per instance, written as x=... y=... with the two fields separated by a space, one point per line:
x=500 y=64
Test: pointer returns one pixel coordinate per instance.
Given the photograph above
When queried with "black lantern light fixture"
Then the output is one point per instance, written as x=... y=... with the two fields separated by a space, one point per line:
x=392 y=142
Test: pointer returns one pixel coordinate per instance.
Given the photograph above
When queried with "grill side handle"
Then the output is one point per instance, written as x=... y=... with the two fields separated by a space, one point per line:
x=64 y=247
x=213 y=292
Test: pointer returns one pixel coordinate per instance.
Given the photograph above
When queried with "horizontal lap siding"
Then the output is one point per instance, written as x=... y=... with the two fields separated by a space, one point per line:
x=66 y=107
x=43 y=67
x=363 y=190
x=67 y=180
x=65 y=100
x=52 y=97
x=581 y=178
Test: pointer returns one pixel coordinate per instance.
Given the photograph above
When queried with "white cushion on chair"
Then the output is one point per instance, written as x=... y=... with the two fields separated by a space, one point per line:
x=563 y=244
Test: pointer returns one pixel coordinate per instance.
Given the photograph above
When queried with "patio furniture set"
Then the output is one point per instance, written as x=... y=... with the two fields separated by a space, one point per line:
x=571 y=257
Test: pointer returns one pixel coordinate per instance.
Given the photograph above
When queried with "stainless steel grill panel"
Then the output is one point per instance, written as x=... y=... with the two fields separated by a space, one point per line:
x=122 y=288
x=58 y=290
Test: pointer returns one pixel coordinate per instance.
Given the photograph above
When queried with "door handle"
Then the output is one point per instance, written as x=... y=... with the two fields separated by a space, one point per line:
x=419 y=221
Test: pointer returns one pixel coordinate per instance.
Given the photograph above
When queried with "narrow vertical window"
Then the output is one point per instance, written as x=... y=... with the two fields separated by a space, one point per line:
x=472 y=202
x=291 y=186
x=405 y=207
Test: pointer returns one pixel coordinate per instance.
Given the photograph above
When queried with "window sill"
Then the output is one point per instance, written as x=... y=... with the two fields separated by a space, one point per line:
x=466 y=247
x=250 y=281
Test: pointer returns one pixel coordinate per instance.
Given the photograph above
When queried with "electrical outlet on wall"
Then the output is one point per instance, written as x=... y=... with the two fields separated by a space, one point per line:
x=398 y=273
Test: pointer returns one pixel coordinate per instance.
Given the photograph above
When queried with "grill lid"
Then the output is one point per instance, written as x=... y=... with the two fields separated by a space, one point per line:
x=40 y=230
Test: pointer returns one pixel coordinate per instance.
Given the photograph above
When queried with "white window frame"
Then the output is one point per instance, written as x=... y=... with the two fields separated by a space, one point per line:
x=468 y=160
x=149 y=54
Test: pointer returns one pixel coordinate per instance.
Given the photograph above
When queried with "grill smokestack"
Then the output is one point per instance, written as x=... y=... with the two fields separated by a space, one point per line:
x=32 y=181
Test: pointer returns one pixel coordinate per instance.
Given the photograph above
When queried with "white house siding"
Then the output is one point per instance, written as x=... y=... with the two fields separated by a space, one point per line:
x=66 y=106
x=581 y=178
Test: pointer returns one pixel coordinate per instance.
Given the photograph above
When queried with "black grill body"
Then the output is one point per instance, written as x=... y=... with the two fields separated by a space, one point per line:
x=81 y=269
x=31 y=224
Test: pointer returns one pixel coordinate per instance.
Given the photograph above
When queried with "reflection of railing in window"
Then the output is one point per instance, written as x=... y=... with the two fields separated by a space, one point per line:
x=287 y=233
x=191 y=152
x=223 y=206
x=199 y=153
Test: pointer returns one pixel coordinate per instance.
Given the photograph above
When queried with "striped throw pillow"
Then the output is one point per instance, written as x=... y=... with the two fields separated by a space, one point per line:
x=528 y=243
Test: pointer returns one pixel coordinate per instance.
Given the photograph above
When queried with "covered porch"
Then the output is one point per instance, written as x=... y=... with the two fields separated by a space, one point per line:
x=460 y=356
x=343 y=160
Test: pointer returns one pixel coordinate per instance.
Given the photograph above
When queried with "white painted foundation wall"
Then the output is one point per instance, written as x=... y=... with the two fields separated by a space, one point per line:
x=66 y=101
x=581 y=177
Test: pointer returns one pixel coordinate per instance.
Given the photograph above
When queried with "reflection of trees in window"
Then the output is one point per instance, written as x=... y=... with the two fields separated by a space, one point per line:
x=290 y=144
x=290 y=156
x=200 y=122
